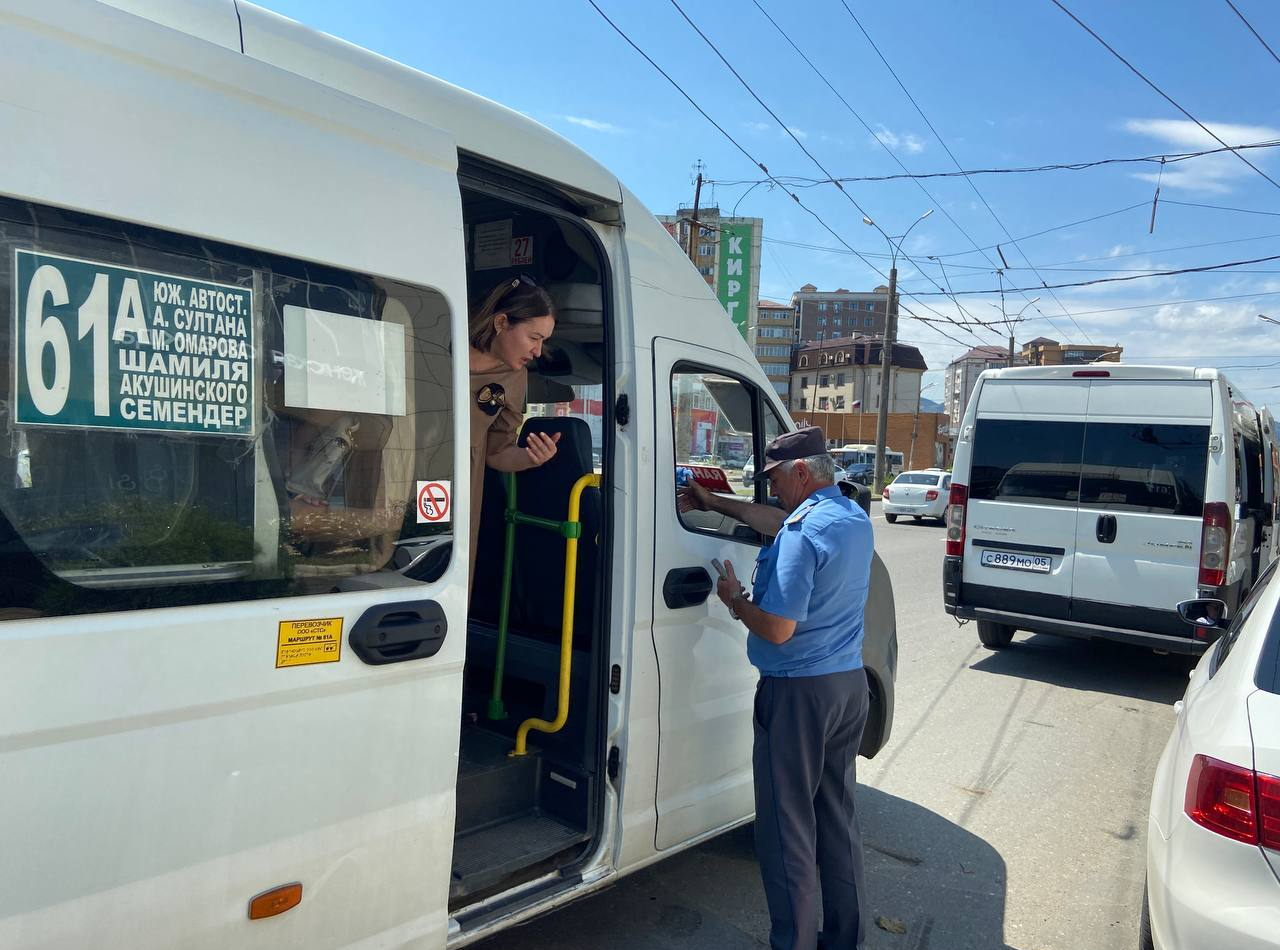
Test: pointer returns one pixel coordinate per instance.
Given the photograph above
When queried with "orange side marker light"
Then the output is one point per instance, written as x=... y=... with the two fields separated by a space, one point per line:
x=275 y=901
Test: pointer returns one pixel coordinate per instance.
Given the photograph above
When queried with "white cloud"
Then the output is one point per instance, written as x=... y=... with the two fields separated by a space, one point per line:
x=757 y=127
x=594 y=125
x=1190 y=137
x=798 y=133
x=908 y=142
x=1120 y=250
x=1212 y=174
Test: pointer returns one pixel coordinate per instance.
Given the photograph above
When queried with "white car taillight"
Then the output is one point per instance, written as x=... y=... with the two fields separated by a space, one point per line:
x=931 y=495
x=1215 y=544
x=1234 y=802
x=956 y=520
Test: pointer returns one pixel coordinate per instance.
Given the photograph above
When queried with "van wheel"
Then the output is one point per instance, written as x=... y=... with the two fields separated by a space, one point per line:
x=891 y=518
x=917 y=518
x=995 y=636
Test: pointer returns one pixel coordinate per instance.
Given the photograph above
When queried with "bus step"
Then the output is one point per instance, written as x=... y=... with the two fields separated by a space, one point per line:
x=492 y=785
x=484 y=858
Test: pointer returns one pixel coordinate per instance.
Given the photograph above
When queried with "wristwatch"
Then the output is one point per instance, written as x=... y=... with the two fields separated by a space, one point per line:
x=733 y=600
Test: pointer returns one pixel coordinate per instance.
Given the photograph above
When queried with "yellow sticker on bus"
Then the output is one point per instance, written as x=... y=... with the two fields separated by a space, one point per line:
x=306 y=642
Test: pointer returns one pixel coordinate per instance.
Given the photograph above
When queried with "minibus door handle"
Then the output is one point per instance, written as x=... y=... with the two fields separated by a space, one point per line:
x=1106 y=530
x=686 y=587
x=393 y=633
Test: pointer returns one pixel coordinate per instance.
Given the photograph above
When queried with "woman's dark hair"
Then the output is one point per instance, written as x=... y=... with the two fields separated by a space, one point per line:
x=519 y=298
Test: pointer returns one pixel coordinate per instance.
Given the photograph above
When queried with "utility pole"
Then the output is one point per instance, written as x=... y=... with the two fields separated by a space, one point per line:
x=915 y=428
x=886 y=364
x=693 y=224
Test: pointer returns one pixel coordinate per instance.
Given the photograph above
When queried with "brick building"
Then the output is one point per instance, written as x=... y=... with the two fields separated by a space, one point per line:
x=929 y=448
x=1045 y=352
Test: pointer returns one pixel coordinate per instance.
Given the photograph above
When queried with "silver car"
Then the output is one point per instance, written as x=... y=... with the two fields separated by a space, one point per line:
x=923 y=494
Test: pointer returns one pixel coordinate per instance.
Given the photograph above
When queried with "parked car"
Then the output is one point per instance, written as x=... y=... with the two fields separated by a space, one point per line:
x=749 y=471
x=1213 y=839
x=1086 y=502
x=918 y=495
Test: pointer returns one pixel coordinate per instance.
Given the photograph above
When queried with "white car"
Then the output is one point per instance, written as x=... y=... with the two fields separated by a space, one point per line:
x=918 y=495
x=749 y=471
x=1213 y=835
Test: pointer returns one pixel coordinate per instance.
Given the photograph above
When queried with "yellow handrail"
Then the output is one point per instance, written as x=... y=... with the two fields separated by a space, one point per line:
x=566 y=620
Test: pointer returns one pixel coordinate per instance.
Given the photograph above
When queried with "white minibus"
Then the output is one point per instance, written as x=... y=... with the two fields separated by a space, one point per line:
x=1089 y=502
x=246 y=702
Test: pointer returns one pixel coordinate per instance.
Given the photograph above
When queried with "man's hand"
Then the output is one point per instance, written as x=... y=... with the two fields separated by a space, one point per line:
x=540 y=448
x=728 y=586
x=693 y=497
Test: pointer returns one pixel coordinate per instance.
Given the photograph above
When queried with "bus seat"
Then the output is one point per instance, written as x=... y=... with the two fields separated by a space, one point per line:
x=537 y=589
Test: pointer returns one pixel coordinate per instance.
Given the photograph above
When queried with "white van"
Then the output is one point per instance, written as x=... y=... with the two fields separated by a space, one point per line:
x=245 y=704
x=1088 y=502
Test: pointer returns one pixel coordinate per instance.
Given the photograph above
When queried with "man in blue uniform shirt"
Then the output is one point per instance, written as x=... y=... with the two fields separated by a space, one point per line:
x=804 y=615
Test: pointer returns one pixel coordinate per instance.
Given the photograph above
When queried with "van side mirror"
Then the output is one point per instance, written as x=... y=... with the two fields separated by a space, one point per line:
x=1209 y=614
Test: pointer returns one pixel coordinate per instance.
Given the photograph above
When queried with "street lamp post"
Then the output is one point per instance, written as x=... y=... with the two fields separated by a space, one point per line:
x=1017 y=318
x=886 y=346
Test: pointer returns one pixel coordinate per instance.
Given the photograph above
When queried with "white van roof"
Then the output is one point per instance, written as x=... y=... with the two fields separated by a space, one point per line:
x=478 y=125
x=1112 y=370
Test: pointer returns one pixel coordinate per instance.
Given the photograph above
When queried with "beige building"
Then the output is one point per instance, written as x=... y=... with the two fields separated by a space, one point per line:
x=771 y=337
x=845 y=377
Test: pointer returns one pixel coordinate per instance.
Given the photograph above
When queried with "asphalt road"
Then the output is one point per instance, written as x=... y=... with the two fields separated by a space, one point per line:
x=1007 y=811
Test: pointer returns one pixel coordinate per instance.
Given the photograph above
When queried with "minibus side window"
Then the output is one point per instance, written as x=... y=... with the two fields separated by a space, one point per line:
x=714 y=421
x=194 y=423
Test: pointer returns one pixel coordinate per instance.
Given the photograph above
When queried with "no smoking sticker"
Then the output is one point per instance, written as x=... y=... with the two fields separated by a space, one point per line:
x=434 y=502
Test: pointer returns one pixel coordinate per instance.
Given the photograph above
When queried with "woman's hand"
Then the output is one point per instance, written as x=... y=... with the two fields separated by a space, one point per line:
x=540 y=448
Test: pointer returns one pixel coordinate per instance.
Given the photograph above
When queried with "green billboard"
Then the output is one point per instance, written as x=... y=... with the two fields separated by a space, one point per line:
x=734 y=280
x=107 y=347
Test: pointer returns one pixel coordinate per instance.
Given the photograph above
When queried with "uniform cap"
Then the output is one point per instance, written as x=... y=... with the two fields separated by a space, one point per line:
x=800 y=444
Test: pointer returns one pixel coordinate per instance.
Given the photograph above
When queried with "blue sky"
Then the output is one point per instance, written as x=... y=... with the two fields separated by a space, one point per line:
x=1005 y=84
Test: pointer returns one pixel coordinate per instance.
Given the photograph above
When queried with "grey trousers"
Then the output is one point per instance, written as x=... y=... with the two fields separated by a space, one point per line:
x=807 y=733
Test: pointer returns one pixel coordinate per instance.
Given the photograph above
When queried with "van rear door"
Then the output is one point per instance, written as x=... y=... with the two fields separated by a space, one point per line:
x=1023 y=489
x=1146 y=450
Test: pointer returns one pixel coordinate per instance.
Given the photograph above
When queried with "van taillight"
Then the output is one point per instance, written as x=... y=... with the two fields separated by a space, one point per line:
x=1215 y=544
x=955 y=520
x=1234 y=802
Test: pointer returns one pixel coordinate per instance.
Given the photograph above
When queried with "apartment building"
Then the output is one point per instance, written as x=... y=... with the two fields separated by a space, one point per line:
x=1045 y=352
x=726 y=251
x=770 y=335
x=845 y=377
x=838 y=314
x=962 y=375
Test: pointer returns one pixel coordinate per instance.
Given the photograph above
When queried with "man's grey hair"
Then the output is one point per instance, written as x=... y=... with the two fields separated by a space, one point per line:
x=821 y=467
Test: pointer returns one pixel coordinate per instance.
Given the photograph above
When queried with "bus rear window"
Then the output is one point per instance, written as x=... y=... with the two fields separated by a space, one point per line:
x=1144 y=467
x=1027 y=461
